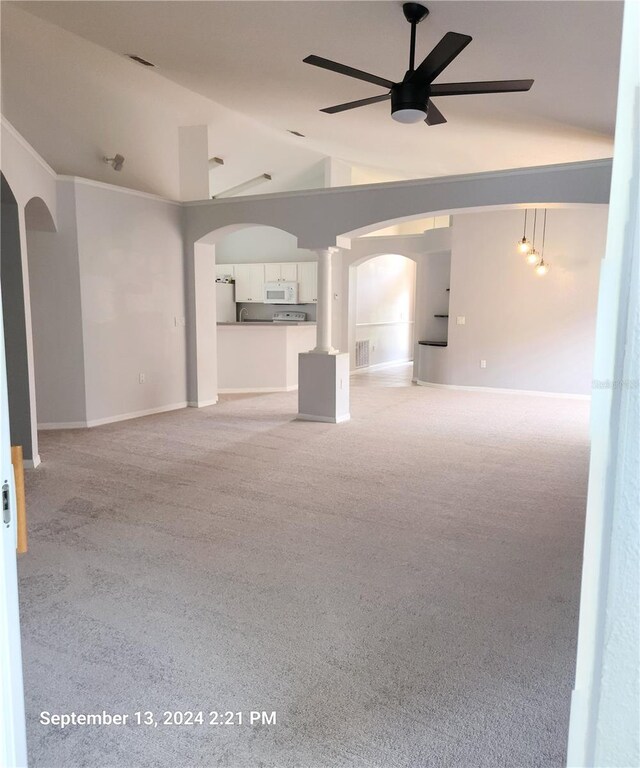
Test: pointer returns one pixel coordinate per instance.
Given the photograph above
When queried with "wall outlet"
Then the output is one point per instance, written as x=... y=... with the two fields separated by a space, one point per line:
x=179 y=322
x=461 y=320
x=141 y=378
x=483 y=363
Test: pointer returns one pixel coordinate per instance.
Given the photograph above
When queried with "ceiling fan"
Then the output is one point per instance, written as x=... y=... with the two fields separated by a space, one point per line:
x=411 y=98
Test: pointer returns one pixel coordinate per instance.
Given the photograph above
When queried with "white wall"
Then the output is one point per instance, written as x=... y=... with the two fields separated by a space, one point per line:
x=258 y=244
x=605 y=706
x=75 y=102
x=385 y=291
x=536 y=333
x=132 y=283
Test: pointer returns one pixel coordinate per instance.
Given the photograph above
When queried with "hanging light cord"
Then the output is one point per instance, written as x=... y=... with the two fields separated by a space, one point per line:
x=535 y=220
x=544 y=234
x=524 y=231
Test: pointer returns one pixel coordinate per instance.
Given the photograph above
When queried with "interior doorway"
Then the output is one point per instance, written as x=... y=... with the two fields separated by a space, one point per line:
x=382 y=318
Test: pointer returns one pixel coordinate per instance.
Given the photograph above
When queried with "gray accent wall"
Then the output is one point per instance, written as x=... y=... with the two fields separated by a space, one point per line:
x=56 y=317
x=536 y=333
x=15 y=330
x=133 y=302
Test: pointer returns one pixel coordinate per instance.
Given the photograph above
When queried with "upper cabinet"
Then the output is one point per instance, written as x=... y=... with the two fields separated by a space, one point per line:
x=225 y=270
x=307 y=282
x=288 y=270
x=250 y=279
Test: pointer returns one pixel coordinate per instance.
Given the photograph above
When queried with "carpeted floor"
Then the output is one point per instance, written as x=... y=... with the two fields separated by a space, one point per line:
x=401 y=589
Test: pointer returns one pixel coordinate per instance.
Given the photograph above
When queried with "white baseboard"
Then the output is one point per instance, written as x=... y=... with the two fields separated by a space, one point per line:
x=381 y=366
x=324 y=419
x=136 y=414
x=62 y=425
x=500 y=391
x=256 y=390
x=202 y=403
x=31 y=463
x=111 y=419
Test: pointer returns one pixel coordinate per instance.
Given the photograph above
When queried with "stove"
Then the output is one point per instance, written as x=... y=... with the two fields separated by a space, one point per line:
x=289 y=317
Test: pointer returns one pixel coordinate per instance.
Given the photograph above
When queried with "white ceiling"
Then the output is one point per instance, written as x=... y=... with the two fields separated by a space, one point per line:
x=248 y=56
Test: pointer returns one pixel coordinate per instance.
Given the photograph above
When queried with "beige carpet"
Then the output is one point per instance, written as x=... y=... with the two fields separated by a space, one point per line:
x=401 y=589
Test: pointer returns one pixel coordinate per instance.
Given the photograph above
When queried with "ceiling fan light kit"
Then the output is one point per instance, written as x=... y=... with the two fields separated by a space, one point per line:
x=411 y=97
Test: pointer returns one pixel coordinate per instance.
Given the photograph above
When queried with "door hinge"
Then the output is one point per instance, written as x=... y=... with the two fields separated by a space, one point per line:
x=6 y=508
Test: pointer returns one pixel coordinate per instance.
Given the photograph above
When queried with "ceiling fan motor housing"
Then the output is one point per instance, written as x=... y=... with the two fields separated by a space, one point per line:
x=409 y=96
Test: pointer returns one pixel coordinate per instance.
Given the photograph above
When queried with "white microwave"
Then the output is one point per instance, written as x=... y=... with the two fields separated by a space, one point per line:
x=282 y=292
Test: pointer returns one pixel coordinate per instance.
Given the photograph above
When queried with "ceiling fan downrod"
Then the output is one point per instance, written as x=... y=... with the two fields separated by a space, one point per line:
x=414 y=13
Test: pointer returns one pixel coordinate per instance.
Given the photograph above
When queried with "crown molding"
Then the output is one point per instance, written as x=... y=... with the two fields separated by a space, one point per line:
x=116 y=188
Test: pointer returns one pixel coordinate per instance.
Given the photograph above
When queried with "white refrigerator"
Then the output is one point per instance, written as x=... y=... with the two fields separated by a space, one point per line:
x=225 y=303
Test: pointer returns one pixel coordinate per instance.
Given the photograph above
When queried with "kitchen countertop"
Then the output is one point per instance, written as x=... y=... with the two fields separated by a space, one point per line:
x=261 y=323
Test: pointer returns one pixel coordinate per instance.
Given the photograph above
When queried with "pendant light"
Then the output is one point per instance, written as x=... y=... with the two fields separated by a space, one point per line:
x=542 y=267
x=524 y=246
x=533 y=255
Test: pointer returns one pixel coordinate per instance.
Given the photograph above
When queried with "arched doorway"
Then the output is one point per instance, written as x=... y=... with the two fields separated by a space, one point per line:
x=216 y=255
x=382 y=315
x=21 y=411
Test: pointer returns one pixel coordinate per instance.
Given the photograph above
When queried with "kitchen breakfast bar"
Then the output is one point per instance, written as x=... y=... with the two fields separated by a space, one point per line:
x=261 y=356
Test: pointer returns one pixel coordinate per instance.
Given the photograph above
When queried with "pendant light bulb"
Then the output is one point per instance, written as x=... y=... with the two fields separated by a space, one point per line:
x=542 y=268
x=524 y=246
x=533 y=257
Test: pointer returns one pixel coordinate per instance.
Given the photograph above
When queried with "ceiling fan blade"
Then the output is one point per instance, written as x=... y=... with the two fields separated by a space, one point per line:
x=355 y=104
x=434 y=115
x=440 y=57
x=489 y=86
x=342 y=69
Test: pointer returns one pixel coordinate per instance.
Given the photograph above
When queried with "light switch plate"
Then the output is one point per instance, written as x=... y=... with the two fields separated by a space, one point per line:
x=483 y=363
x=461 y=320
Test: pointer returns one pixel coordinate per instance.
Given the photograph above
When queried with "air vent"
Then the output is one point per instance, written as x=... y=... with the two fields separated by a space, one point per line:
x=362 y=354
x=140 y=60
x=297 y=133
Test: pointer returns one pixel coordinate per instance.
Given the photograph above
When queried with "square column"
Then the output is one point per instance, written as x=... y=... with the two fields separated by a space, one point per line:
x=323 y=387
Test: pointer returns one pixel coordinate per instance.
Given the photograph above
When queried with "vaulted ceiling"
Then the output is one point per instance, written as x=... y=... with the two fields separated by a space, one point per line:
x=248 y=56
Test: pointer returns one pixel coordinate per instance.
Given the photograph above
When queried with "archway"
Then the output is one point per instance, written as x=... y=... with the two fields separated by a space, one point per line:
x=21 y=408
x=215 y=256
x=382 y=293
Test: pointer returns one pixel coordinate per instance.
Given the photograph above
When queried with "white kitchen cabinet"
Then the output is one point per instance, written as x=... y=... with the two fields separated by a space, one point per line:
x=275 y=271
x=307 y=282
x=249 y=282
x=225 y=270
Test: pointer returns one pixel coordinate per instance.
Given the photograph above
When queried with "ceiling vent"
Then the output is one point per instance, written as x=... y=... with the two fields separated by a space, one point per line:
x=140 y=60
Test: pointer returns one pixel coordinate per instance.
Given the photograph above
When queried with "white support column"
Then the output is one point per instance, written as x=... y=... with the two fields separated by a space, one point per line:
x=325 y=303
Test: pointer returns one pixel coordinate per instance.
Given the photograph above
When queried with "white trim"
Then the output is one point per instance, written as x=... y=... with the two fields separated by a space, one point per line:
x=117 y=188
x=135 y=414
x=256 y=390
x=62 y=425
x=324 y=419
x=26 y=146
x=202 y=403
x=391 y=322
x=501 y=391
x=381 y=366
x=32 y=463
